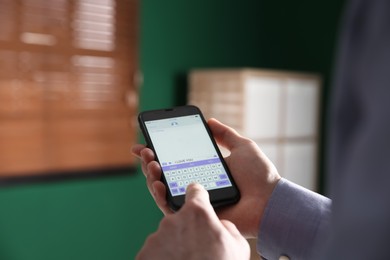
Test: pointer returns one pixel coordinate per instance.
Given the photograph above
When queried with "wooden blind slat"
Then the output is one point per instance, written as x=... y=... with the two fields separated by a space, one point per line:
x=67 y=101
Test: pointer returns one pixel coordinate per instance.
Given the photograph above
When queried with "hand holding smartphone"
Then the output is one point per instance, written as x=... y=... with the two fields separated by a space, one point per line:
x=187 y=152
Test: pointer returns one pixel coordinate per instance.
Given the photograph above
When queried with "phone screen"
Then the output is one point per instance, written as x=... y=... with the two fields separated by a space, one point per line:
x=186 y=153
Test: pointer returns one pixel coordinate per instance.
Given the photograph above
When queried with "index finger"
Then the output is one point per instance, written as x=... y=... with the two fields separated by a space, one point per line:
x=196 y=192
x=198 y=199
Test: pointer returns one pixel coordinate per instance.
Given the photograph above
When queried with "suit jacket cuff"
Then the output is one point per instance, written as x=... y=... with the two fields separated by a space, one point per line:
x=294 y=224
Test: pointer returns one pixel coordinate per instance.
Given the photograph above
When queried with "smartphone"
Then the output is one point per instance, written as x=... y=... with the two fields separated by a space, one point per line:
x=187 y=152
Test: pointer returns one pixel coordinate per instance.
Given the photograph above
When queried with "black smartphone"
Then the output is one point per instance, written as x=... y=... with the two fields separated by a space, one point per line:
x=187 y=152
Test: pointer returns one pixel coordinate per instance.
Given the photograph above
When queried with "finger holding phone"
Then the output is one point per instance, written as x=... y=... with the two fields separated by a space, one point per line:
x=254 y=175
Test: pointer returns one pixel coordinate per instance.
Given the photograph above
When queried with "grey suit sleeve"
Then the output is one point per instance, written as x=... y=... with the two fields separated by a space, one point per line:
x=294 y=224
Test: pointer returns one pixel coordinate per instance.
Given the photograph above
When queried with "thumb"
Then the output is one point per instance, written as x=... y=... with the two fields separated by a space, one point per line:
x=224 y=135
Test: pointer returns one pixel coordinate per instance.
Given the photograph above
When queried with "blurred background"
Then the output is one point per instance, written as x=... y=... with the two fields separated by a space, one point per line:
x=75 y=73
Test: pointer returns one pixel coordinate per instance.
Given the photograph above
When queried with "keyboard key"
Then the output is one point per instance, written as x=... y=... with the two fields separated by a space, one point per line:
x=223 y=176
x=222 y=183
x=173 y=184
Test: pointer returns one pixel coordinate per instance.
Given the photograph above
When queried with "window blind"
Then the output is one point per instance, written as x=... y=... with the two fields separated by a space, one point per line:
x=67 y=94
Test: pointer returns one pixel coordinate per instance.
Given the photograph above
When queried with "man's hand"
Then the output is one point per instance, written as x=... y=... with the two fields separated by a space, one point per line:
x=195 y=232
x=253 y=172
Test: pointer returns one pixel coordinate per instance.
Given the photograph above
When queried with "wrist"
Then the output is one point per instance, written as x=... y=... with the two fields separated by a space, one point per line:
x=248 y=212
x=257 y=207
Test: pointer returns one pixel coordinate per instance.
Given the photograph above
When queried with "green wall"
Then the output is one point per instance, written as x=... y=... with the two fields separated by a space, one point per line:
x=109 y=218
x=105 y=218
x=181 y=35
